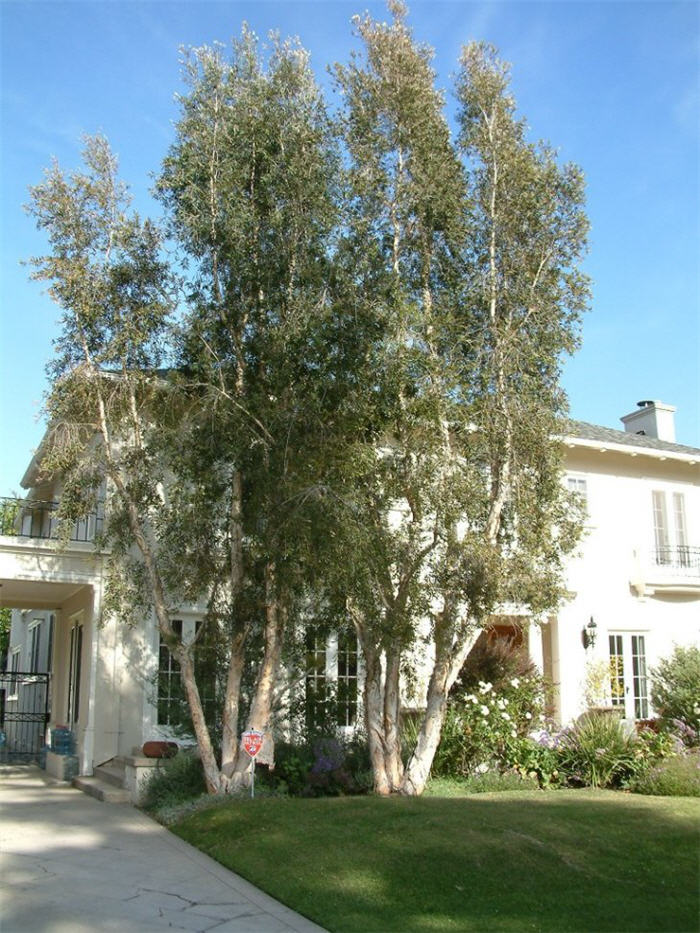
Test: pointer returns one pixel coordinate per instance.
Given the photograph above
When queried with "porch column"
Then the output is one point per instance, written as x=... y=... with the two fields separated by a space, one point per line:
x=88 y=749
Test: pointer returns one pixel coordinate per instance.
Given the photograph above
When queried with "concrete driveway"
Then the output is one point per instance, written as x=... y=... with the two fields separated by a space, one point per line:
x=69 y=863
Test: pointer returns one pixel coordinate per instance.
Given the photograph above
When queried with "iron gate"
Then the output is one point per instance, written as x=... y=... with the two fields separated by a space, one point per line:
x=24 y=714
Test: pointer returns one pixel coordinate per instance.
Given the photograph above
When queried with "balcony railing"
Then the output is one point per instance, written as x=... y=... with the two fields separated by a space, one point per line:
x=682 y=559
x=37 y=518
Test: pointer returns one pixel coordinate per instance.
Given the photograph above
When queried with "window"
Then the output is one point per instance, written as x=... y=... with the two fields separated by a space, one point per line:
x=34 y=647
x=331 y=678
x=578 y=485
x=347 y=678
x=316 y=687
x=172 y=705
x=670 y=529
x=639 y=678
x=617 y=672
x=629 y=690
x=14 y=668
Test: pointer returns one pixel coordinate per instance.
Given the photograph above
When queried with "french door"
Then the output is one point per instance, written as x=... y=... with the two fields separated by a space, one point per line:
x=629 y=684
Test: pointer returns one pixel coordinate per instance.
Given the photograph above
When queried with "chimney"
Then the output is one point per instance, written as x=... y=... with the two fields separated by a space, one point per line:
x=652 y=418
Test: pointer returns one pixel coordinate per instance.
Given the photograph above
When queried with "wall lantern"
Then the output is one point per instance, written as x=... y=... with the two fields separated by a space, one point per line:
x=588 y=634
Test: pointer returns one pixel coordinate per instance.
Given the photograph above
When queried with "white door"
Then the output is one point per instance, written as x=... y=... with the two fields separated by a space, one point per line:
x=629 y=684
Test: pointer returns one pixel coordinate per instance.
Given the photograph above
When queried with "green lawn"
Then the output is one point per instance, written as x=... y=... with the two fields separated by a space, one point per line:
x=560 y=861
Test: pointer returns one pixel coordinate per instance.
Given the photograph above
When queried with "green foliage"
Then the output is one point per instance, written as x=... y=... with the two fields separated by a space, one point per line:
x=292 y=766
x=490 y=782
x=320 y=767
x=5 y=627
x=487 y=726
x=174 y=781
x=536 y=761
x=675 y=692
x=365 y=373
x=599 y=752
x=9 y=510
x=496 y=661
x=676 y=776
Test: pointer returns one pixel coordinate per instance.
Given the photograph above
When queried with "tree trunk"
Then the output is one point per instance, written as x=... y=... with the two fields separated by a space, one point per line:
x=229 y=740
x=448 y=664
x=212 y=774
x=374 y=721
x=392 y=725
x=260 y=715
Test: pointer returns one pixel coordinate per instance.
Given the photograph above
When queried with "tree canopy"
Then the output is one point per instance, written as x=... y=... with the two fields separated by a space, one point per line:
x=361 y=401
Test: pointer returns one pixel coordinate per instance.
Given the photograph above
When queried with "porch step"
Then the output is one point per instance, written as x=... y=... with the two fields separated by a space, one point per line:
x=112 y=772
x=101 y=789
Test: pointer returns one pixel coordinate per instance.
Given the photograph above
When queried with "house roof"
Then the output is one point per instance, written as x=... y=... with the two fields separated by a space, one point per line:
x=598 y=436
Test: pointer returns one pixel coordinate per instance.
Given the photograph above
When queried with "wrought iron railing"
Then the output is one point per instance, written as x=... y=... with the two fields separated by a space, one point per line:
x=37 y=518
x=681 y=558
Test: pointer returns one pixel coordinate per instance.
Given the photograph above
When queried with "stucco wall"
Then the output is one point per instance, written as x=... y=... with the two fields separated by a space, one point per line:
x=617 y=549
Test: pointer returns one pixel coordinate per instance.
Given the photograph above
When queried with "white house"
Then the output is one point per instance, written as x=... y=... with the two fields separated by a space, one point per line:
x=634 y=585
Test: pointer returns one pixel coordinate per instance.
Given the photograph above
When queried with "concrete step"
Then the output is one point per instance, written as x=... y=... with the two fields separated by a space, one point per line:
x=102 y=790
x=112 y=773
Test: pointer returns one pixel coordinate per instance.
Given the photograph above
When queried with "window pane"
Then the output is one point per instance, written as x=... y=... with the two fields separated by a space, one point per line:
x=617 y=671
x=316 y=689
x=347 y=678
x=663 y=554
x=172 y=707
x=639 y=677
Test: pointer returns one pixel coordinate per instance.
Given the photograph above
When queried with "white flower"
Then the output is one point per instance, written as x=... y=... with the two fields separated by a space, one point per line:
x=500 y=704
x=506 y=716
x=515 y=682
x=482 y=768
x=505 y=700
x=484 y=710
x=485 y=688
x=528 y=715
x=513 y=734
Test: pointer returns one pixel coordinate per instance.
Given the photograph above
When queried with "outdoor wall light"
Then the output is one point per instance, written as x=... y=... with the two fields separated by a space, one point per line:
x=588 y=634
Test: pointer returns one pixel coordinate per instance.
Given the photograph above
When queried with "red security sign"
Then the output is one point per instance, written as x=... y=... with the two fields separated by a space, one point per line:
x=252 y=742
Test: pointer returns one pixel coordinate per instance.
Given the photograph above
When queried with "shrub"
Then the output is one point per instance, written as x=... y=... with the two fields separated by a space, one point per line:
x=495 y=661
x=675 y=693
x=174 y=781
x=482 y=727
x=323 y=766
x=293 y=762
x=677 y=776
x=597 y=751
x=536 y=759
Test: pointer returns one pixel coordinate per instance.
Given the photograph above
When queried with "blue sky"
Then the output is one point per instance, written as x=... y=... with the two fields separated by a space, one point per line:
x=613 y=85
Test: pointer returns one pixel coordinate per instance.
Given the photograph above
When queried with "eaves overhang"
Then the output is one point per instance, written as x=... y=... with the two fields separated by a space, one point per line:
x=631 y=451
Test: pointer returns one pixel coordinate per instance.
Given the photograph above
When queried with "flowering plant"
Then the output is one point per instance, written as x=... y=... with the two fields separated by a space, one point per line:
x=482 y=727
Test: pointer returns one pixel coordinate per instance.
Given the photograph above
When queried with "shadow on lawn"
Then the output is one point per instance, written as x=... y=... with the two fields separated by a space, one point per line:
x=564 y=861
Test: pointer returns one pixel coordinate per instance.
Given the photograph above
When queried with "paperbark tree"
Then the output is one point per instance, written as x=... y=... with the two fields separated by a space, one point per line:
x=248 y=188
x=524 y=301
x=471 y=270
x=366 y=387
x=108 y=401
x=406 y=222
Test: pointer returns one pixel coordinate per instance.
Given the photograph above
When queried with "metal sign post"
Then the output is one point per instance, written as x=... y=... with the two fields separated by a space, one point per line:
x=252 y=743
